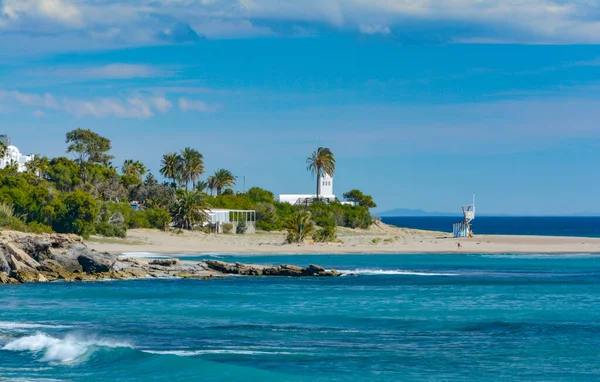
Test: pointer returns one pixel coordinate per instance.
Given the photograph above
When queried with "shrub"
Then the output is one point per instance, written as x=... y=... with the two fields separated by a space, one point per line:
x=110 y=230
x=241 y=228
x=158 y=218
x=227 y=228
x=266 y=217
x=326 y=234
x=39 y=228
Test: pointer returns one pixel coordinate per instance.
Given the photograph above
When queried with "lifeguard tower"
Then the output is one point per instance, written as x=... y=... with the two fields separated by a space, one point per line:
x=463 y=229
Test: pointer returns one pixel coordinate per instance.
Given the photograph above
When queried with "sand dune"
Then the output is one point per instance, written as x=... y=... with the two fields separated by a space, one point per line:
x=378 y=239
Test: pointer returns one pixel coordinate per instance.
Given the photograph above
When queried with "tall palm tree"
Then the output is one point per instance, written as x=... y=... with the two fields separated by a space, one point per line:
x=190 y=209
x=192 y=166
x=320 y=163
x=134 y=169
x=171 y=167
x=220 y=180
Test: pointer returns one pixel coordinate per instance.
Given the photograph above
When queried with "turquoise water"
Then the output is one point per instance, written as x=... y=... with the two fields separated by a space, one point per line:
x=422 y=317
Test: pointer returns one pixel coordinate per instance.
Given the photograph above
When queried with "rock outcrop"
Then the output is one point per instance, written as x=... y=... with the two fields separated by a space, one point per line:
x=261 y=270
x=29 y=258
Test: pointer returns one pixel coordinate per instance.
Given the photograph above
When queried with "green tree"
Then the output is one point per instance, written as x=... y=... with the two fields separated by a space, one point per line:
x=189 y=209
x=299 y=226
x=63 y=173
x=88 y=147
x=192 y=166
x=76 y=213
x=171 y=169
x=320 y=163
x=220 y=180
x=259 y=195
x=357 y=197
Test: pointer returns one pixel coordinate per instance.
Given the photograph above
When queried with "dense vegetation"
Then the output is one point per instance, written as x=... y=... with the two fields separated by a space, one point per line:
x=88 y=195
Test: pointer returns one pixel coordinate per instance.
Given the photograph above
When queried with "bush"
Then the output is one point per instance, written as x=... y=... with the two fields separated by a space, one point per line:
x=266 y=217
x=227 y=228
x=39 y=228
x=110 y=230
x=241 y=228
x=158 y=218
x=326 y=234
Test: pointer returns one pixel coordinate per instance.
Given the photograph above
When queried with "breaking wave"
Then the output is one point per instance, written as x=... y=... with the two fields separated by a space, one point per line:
x=379 y=272
x=71 y=349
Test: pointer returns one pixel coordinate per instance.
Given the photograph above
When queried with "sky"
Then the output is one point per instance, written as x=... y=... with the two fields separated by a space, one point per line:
x=422 y=101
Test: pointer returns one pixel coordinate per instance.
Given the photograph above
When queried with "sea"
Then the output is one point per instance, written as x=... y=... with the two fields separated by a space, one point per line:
x=501 y=225
x=389 y=318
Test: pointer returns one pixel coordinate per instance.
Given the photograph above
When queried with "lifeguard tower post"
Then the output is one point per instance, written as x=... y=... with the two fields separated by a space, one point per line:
x=463 y=229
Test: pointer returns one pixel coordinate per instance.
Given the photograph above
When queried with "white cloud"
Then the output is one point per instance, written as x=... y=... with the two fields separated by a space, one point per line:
x=61 y=11
x=138 y=106
x=122 y=23
x=162 y=104
x=373 y=29
x=38 y=113
x=192 y=105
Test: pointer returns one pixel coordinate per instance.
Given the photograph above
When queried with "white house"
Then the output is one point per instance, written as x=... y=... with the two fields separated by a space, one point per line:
x=325 y=192
x=14 y=156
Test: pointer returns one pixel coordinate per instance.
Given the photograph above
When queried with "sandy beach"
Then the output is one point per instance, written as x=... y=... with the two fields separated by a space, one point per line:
x=379 y=239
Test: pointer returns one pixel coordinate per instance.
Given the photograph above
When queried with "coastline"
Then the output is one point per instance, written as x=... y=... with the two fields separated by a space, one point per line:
x=380 y=239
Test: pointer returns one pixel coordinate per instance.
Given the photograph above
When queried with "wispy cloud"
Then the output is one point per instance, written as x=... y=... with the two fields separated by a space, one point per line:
x=193 y=105
x=137 y=106
x=115 y=71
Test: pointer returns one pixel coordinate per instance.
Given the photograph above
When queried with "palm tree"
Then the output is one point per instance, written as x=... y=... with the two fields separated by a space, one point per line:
x=201 y=186
x=134 y=169
x=171 y=167
x=299 y=226
x=189 y=209
x=192 y=166
x=321 y=163
x=220 y=180
x=38 y=165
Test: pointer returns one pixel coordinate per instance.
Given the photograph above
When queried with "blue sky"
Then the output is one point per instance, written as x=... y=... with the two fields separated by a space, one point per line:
x=422 y=101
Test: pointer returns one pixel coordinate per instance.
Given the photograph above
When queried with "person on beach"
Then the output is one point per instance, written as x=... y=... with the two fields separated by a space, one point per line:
x=459 y=245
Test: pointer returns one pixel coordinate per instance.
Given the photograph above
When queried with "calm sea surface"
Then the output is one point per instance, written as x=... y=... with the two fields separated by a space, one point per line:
x=542 y=226
x=409 y=317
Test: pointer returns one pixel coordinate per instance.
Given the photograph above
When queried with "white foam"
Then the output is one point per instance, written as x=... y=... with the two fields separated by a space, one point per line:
x=191 y=353
x=8 y=325
x=379 y=272
x=71 y=349
x=142 y=255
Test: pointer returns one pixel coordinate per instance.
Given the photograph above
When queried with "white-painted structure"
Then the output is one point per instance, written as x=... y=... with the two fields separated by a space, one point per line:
x=325 y=192
x=463 y=229
x=14 y=157
x=217 y=217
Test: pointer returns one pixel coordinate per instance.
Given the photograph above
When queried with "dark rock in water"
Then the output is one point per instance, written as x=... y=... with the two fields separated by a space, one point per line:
x=96 y=262
x=164 y=262
x=259 y=270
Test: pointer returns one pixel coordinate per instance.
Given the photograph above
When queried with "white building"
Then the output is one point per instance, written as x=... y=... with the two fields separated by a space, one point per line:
x=14 y=156
x=325 y=192
x=218 y=217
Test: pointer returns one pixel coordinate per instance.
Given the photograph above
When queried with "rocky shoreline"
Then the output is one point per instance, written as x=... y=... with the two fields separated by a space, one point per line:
x=28 y=258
